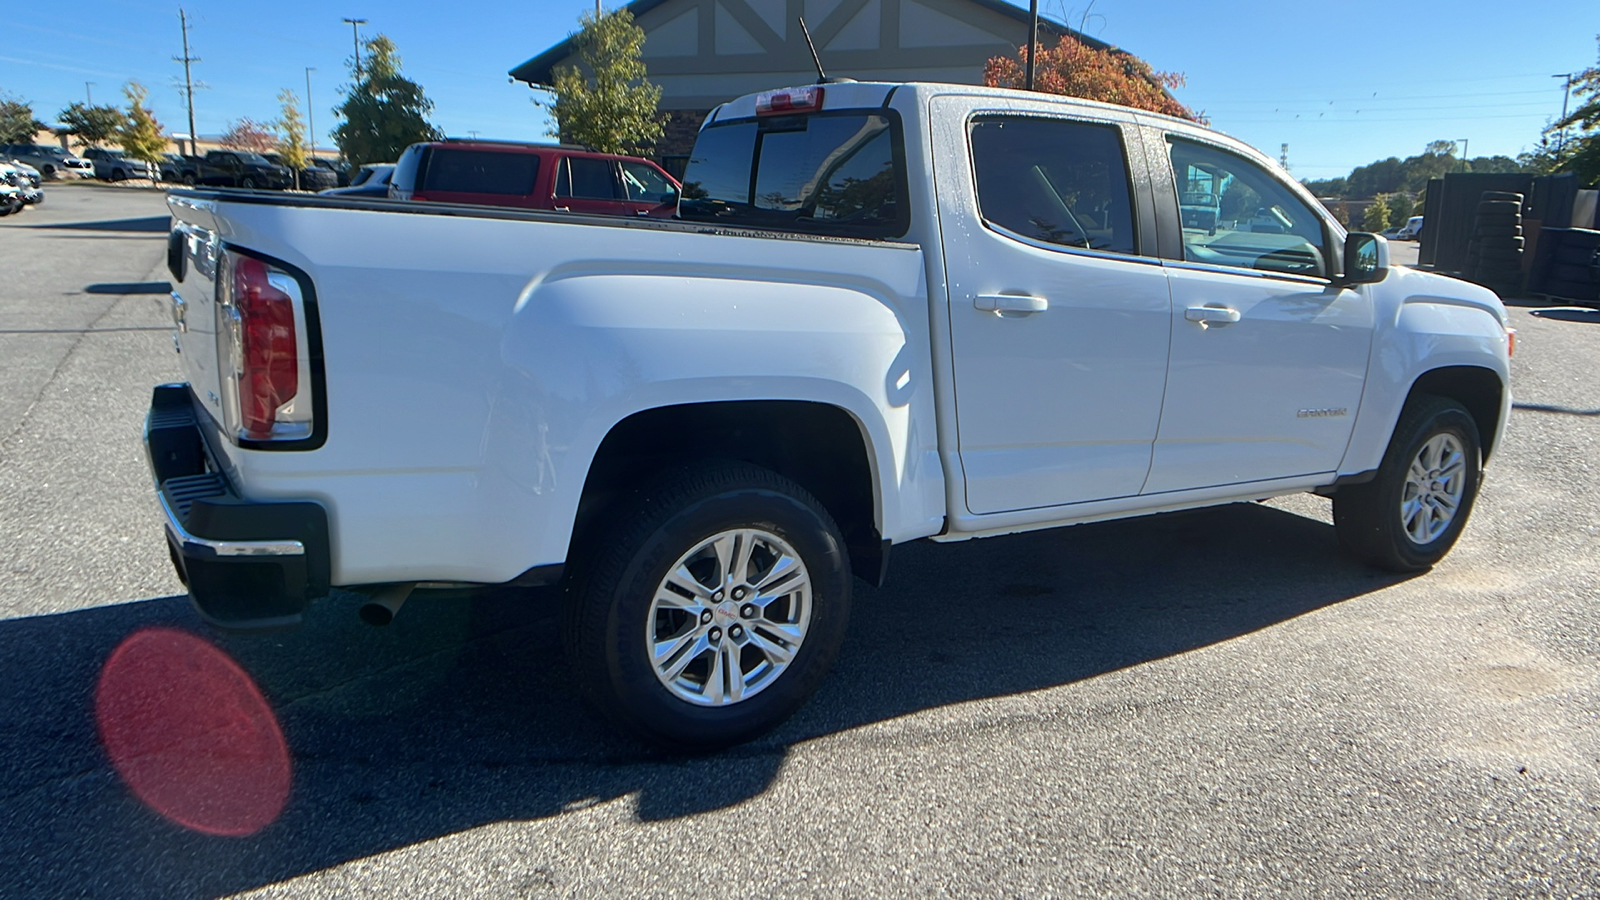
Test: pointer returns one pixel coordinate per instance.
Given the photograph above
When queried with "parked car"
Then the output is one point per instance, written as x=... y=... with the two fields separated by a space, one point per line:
x=238 y=168
x=371 y=180
x=531 y=176
x=312 y=178
x=341 y=172
x=1411 y=230
x=115 y=165
x=35 y=177
x=11 y=198
x=883 y=313
x=51 y=161
x=1200 y=210
x=175 y=165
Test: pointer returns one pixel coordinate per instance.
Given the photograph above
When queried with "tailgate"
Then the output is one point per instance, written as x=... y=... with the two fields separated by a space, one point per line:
x=193 y=249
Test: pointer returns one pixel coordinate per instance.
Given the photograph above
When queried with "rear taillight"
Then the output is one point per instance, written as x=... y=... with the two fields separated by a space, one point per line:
x=262 y=351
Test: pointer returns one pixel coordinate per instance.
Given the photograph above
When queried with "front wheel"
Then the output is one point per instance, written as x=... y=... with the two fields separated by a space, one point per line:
x=248 y=182
x=712 y=610
x=1410 y=515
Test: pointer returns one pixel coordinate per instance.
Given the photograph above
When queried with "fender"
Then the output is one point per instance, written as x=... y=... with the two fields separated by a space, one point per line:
x=1426 y=322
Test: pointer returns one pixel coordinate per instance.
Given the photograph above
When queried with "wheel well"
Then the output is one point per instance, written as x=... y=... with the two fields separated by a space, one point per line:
x=818 y=446
x=1476 y=388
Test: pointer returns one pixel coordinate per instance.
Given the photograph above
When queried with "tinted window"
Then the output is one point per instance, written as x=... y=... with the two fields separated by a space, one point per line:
x=830 y=174
x=644 y=184
x=479 y=172
x=1250 y=219
x=586 y=179
x=1055 y=180
x=405 y=171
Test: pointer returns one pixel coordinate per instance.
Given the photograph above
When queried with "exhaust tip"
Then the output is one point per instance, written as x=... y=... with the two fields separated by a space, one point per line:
x=383 y=606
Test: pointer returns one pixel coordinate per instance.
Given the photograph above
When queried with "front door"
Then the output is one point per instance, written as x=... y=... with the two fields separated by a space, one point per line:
x=1059 y=319
x=1269 y=354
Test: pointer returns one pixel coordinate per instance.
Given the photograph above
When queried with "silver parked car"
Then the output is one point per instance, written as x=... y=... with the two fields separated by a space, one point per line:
x=50 y=161
x=115 y=165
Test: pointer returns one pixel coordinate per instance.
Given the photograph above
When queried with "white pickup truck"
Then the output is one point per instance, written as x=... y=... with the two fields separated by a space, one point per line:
x=882 y=313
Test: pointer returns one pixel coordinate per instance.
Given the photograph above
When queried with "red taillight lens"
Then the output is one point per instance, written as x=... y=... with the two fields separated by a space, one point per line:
x=269 y=362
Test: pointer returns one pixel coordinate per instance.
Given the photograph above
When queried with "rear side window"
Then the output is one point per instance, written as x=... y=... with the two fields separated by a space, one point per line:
x=1054 y=180
x=586 y=179
x=838 y=174
x=480 y=172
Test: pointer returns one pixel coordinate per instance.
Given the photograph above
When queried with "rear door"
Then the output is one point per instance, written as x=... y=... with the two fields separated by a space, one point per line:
x=1059 y=308
x=591 y=184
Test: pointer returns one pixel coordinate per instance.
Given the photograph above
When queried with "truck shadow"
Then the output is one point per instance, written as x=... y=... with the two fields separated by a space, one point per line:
x=460 y=714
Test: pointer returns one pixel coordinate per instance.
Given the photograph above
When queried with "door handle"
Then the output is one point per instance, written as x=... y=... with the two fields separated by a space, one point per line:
x=1211 y=315
x=1004 y=303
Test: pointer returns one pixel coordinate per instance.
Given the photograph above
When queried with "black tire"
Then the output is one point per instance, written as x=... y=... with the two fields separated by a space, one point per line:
x=1496 y=220
x=1499 y=207
x=608 y=617
x=1500 y=195
x=248 y=183
x=1497 y=231
x=118 y=175
x=189 y=179
x=1368 y=517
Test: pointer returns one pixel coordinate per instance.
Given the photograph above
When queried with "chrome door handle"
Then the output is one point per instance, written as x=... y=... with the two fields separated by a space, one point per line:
x=1004 y=303
x=1211 y=315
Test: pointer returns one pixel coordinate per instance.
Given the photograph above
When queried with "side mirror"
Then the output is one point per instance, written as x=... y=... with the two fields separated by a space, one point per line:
x=1366 y=258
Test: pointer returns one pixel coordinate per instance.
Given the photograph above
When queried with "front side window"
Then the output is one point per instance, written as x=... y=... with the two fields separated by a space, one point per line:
x=1054 y=180
x=824 y=174
x=645 y=185
x=1235 y=213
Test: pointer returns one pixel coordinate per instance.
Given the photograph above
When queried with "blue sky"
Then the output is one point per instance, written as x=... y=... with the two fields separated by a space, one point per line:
x=1341 y=83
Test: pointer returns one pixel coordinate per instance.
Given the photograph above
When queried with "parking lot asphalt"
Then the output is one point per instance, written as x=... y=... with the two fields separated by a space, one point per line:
x=1213 y=703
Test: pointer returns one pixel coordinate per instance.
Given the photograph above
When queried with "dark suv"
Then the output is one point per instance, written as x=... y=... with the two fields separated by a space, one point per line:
x=239 y=168
x=531 y=176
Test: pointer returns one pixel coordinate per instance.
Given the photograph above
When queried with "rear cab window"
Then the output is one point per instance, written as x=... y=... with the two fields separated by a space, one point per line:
x=833 y=173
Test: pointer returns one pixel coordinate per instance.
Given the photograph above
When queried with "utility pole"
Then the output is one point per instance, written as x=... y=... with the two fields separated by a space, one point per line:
x=1283 y=157
x=355 y=38
x=188 y=80
x=311 y=117
x=1463 y=153
x=1566 y=94
x=1033 y=37
x=87 y=93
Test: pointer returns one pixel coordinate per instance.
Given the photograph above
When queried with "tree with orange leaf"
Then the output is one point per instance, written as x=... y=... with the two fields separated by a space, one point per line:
x=1075 y=69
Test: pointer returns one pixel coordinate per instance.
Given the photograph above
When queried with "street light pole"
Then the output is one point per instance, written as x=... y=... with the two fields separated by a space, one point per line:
x=89 y=94
x=1033 y=37
x=355 y=39
x=311 y=117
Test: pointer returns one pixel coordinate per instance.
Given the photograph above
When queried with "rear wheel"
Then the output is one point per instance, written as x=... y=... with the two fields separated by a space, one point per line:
x=118 y=175
x=248 y=182
x=712 y=611
x=1410 y=515
x=189 y=179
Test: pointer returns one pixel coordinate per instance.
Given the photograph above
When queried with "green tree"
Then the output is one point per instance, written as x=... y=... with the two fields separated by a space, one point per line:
x=91 y=126
x=1376 y=216
x=383 y=111
x=292 y=134
x=141 y=135
x=1399 y=208
x=1576 y=138
x=613 y=107
x=17 y=124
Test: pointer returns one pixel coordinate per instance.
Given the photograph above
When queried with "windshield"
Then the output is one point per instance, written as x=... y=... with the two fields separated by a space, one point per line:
x=254 y=159
x=841 y=173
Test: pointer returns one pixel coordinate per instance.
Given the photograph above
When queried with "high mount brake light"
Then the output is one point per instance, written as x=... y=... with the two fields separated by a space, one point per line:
x=789 y=101
x=263 y=360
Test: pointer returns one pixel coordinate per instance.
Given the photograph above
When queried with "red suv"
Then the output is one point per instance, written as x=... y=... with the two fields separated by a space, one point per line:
x=531 y=176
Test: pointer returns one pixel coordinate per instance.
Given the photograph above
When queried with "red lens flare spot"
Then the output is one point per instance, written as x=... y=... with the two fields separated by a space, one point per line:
x=191 y=735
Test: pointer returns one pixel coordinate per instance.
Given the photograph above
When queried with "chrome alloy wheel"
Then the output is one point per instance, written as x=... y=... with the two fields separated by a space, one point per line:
x=729 y=617
x=1433 y=489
